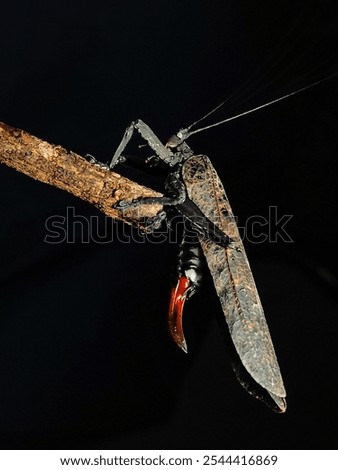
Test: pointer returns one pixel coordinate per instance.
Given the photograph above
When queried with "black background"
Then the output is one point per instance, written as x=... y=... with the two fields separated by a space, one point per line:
x=85 y=356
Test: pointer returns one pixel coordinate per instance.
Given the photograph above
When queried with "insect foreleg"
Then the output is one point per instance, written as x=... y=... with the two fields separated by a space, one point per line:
x=154 y=142
x=148 y=135
x=125 y=139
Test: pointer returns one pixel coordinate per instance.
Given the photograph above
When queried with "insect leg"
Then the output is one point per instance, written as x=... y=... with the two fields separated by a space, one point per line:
x=154 y=142
x=125 y=139
x=155 y=222
x=148 y=135
x=178 y=191
x=164 y=201
x=202 y=224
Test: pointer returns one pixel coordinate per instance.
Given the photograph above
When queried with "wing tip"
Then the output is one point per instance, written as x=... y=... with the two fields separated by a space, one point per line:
x=280 y=402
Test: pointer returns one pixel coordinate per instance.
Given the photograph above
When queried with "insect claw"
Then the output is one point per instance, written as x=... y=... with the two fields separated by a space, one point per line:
x=90 y=158
x=121 y=205
x=95 y=162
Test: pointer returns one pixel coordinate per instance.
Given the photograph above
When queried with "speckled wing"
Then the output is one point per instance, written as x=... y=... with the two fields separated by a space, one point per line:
x=233 y=280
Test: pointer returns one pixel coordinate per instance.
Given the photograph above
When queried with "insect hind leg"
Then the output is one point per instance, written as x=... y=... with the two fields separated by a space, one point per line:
x=203 y=225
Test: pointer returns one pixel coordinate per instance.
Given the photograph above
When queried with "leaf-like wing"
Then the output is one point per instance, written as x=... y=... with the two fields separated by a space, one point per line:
x=233 y=279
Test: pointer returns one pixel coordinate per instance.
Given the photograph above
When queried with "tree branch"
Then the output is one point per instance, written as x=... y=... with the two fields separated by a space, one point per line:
x=66 y=170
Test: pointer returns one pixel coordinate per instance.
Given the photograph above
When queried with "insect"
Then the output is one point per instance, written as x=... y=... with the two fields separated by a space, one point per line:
x=195 y=191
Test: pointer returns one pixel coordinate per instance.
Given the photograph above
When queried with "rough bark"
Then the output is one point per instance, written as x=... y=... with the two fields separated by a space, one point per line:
x=66 y=170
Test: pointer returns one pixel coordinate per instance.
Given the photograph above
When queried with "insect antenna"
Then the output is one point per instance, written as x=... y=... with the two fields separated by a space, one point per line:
x=226 y=100
x=209 y=113
x=185 y=133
